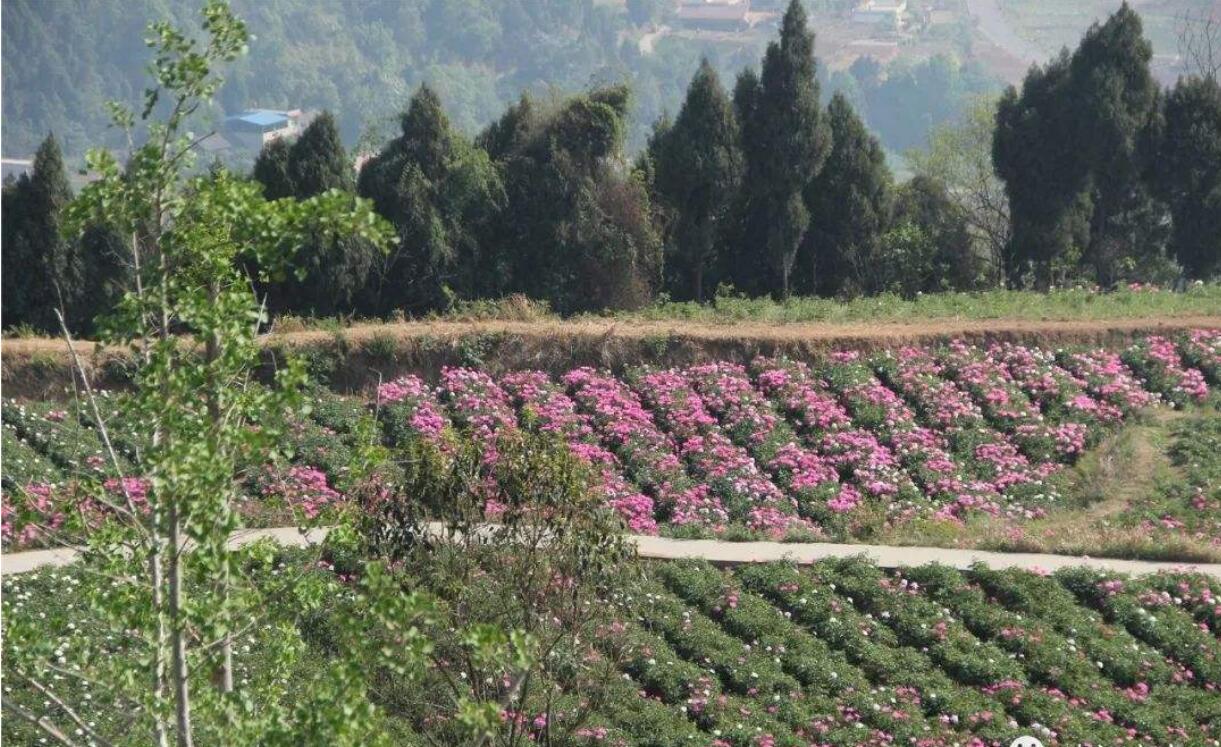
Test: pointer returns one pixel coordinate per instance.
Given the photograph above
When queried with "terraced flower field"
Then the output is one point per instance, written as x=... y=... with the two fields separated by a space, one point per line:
x=840 y=653
x=846 y=654
x=843 y=447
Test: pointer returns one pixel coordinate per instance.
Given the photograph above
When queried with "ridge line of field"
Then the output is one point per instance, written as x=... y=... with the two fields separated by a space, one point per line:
x=781 y=331
x=728 y=553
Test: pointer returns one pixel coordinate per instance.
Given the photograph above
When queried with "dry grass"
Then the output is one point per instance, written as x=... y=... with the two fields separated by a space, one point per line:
x=1123 y=469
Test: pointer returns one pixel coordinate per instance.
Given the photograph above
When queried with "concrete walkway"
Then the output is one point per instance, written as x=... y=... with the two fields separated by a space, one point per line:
x=727 y=553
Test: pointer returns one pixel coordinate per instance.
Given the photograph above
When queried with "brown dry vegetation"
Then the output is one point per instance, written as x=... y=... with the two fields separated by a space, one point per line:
x=354 y=358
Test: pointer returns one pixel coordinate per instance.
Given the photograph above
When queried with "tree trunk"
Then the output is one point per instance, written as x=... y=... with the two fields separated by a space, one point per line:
x=182 y=684
x=699 y=282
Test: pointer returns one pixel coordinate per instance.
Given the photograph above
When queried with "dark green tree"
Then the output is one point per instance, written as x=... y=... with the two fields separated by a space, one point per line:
x=42 y=271
x=697 y=166
x=952 y=261
x=1187 y=173
x=105 y=258
x=1113 y=100
x=326 y=277
x=440 y=192
x=1070 y=149
x=785 y=141
x=1045 y=174
x=317 y=160
x=576 y=231
x=849 y=205
x=271 y=169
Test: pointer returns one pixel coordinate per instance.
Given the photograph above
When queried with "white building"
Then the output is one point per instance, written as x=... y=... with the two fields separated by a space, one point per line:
x=889 y=12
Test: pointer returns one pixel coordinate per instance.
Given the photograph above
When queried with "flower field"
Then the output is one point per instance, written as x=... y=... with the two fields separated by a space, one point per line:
x=844 y=447
x=839 y=653
x=844 y=653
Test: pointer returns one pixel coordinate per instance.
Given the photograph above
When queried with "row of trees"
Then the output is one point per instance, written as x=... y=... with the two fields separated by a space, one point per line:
x=1103 y=168
x=1087 y=172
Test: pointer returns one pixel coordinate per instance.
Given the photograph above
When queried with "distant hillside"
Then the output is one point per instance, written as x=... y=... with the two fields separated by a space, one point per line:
x=63 y=59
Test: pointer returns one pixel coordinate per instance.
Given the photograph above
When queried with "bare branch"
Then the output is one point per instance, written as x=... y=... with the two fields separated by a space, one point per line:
x=76 y=719
x=42 y=722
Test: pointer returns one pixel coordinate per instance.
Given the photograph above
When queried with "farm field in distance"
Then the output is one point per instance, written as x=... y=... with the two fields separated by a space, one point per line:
x=1076 y=449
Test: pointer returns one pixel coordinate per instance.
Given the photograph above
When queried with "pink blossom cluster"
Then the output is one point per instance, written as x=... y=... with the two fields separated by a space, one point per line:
x=540 y=399
x=1108 y=379
x=1002 y=400
x=1201 y=349
x=922 y=451
x=729 y=470
x=829 y=431
x=627 y=429
x=987 y=454
x=303 y=489
x=753 y=422
x=423 y=413
x=1058 y=392
x=1156 y=360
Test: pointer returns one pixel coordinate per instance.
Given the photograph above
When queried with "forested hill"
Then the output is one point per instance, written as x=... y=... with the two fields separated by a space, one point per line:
x=63 y=59
x=361 y=59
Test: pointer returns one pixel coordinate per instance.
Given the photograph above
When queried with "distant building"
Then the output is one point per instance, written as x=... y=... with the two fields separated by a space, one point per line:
x=254 y=128
x=889 y=12
x=716 y=15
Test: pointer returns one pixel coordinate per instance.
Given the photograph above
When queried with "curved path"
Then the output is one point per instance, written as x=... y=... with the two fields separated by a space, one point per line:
x=729 y=553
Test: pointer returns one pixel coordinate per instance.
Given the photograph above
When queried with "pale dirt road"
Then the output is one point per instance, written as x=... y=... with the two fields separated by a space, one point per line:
x=731 y=553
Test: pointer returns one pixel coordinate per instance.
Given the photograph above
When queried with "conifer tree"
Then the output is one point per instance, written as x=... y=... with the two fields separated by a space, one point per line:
x=317 y=160
x=271 y=169
x=849 y=204
x=41 y=268
x=1187 y=173
x=1113 y=100
x=439 y=191
x=697 y=166
x=785 y=142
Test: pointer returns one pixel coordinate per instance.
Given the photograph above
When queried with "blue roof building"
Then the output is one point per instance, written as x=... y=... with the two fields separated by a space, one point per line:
x=261 y=120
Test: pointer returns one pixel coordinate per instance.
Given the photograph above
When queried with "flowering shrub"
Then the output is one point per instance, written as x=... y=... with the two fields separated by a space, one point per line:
x=1156 y=361
x=921 y=450
x=1006 y=405
x=753 y=422
x=304 y=490
x=651 y=458
x=545 y=403
x=1061 y=395
x=1108 y=379
x=1201 y=349
x=729 y=471
x=986 y=454
x=842 y=447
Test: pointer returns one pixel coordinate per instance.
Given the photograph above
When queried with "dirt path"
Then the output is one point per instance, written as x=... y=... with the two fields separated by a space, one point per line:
x=732 y=553
x=994 y=26
x=829 y=332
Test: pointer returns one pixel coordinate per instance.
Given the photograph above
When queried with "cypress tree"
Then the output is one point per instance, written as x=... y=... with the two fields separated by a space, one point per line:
x=439 y=191
x=1113 y=99
x=1045 y=174
x=271 y=169
x=42 y=269
x=1187 y=173
x=849 y=204
x=317 y=161
x=785 y=142
x=697 y=168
